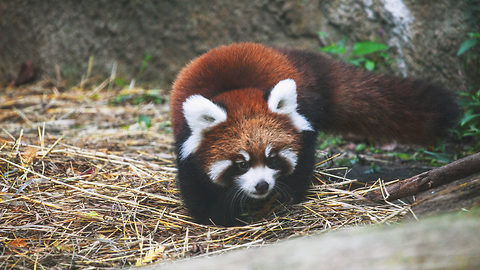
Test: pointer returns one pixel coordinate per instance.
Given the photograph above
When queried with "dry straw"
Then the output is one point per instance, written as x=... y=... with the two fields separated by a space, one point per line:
x=84 y=185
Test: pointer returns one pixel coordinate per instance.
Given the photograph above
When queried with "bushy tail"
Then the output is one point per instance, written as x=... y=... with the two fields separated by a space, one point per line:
x=379 y=106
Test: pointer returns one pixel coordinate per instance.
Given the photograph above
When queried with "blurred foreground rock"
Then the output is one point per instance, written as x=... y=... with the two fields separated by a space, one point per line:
x=441 y=242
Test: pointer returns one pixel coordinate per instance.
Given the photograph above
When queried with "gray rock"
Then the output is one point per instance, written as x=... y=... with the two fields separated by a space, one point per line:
x=424 y=35
x=445 y=242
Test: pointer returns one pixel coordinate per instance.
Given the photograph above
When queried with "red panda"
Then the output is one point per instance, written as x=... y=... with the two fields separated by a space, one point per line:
x=246 y=116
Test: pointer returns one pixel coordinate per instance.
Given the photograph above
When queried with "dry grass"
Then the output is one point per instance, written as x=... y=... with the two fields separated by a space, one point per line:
x=84 y=185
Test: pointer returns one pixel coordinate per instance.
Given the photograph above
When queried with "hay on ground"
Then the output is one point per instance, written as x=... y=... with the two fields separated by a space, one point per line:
x=85 y=183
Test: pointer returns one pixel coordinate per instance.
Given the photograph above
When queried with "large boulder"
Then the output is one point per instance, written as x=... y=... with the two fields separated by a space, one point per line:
x=424 y=35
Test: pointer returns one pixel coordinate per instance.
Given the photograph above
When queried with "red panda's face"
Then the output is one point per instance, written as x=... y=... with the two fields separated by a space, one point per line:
x=250 y=153
x=244 y=141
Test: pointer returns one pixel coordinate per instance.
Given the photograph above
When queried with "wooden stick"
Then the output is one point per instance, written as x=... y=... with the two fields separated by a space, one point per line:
x=453 y=171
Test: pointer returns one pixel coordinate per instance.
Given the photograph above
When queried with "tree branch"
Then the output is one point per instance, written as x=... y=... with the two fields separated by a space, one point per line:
x=453 y=171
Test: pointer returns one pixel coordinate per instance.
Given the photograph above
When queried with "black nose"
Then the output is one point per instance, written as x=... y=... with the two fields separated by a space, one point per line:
x=261 y=187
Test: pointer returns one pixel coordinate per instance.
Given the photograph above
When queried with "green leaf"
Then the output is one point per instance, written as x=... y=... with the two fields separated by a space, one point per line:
x=334 y=49
x=444 y=158
x=474 y=129
x=373 y=169
x=91 y=214
x=119 y=82
x=367 y=47
x=474 y=35
x=384 y=55
x=145 y=61
x=360 y=147
x=464 y=94
x=369 y=65
x=467 y=44
x=321 y=33
x=144 y=120
x=403 y=156
x=468 y=117
x=357 y=62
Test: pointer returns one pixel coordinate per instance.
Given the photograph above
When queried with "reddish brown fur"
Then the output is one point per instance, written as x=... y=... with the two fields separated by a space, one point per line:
x=357 y=101
x=239 y=64
x=381 y=105
x=334 y=97
x=371 y=105
x=248 y=113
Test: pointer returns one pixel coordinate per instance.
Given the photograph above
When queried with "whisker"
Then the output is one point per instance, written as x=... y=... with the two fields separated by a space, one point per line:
x=283 y=190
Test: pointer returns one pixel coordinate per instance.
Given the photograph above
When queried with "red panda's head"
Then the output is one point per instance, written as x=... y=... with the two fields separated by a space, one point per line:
x=243 y=139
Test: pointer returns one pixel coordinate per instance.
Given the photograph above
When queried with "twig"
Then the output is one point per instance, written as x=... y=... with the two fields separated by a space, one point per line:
x=23 y=116
x=54 y=144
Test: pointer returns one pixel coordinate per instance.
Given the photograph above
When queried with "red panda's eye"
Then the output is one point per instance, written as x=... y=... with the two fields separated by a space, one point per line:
x=271 y=162
x=243 y=165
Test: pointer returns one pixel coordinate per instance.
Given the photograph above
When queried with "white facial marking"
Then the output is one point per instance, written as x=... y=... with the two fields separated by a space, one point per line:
x=290 y=156
x=217 y=169
x=252 y=177
x=283 y=100
x=245 y=155
x=268 y=150
x=201 y=114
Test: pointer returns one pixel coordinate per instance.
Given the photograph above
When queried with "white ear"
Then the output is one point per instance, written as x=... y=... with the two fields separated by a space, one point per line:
x=201 y=114
x=283 y=100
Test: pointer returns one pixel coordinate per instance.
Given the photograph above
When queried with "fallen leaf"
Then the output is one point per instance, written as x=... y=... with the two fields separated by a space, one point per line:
x=19 y=242
x=29 y=155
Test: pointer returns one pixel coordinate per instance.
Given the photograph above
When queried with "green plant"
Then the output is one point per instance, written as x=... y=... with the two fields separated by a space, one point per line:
x=347 y=162
x=373 y=168
x=470 y=122
x=367 y=54
x=120 y=82
x=469 y=126
x=469 y=43
x=145 y=61
x=437 y=158
x=469 y=52
x=329 y=140
x=144 y=121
